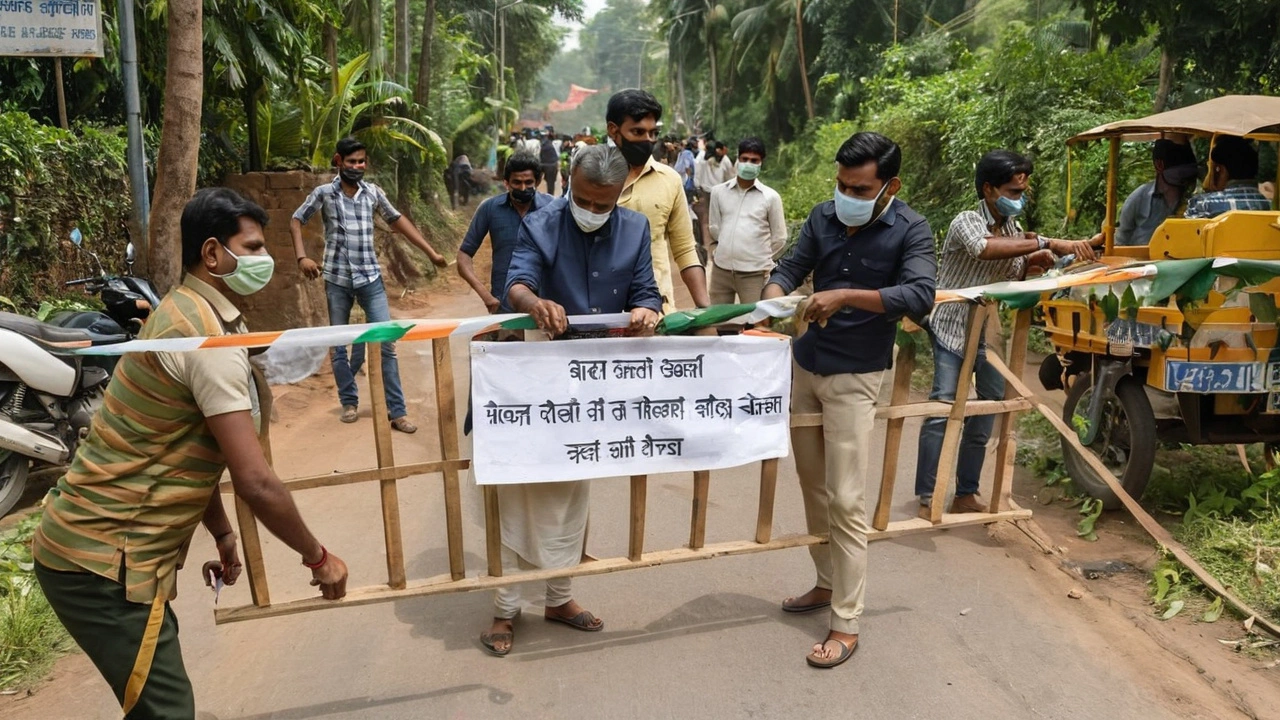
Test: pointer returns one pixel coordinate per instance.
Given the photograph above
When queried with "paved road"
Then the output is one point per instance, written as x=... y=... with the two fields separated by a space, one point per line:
x=958 y=624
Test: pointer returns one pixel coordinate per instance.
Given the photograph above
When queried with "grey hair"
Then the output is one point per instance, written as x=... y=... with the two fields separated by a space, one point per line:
x=600 y=165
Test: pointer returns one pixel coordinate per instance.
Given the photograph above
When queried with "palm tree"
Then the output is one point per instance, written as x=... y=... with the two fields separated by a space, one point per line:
x=779 y=25
x=689 y=26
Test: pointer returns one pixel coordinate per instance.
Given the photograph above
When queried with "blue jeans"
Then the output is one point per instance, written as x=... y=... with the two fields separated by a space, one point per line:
x=373 y=298
x=977 y=428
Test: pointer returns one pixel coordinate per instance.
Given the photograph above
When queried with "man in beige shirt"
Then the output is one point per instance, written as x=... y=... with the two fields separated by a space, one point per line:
x=747 y=228
x=657 y=192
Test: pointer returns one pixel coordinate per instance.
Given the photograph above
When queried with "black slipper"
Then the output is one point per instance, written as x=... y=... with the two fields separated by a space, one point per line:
x=804 y=608
x=581 y=621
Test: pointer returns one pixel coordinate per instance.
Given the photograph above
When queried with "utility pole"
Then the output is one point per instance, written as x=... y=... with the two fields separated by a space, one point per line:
x=135 y=152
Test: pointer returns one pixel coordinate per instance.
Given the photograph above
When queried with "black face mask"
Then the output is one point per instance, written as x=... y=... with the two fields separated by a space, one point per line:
x=636 y=153
x=351 y=176
x=523 y=197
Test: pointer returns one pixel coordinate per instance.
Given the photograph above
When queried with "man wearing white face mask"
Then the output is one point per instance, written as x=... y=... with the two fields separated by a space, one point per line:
x=983 y=245
x=579 y=255
x=747 y=229
x=871 y=258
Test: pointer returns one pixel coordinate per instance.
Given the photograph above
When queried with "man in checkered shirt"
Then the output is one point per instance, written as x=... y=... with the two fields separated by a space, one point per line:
x=1234 y=180
x=983 y=245
x=351 y=271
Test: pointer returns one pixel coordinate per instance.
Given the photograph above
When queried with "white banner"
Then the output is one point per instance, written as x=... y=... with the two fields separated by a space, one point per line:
x=66 y=28
x=579 y=409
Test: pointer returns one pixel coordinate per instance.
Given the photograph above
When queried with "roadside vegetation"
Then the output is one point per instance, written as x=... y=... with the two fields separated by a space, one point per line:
x=31 y=637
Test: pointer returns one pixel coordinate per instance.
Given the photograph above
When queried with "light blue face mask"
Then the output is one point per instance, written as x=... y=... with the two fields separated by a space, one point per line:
x=1008 y=207
x=856 y=212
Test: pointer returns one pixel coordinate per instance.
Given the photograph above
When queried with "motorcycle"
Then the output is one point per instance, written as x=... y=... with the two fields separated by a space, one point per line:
x=48 y=396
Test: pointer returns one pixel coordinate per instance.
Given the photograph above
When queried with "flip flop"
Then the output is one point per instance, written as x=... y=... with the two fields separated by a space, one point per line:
x=487 y=640
x=581 y=621
x=804 y=608
x=846 y=651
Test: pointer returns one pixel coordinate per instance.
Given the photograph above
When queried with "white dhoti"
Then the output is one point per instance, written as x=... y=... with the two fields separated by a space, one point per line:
x=544 y=526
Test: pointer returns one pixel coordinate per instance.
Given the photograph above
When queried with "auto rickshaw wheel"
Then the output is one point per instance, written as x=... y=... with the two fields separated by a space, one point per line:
x=1126 y=439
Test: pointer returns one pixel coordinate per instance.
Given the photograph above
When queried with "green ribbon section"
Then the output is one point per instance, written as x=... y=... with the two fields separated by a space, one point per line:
x=384 y=332
x=688 y=320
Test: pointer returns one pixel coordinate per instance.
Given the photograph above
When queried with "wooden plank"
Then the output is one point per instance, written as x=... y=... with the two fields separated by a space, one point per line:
x=1148 y=523
x=251 y=545
x=639 y=503
x=399 y=472
x=768 y=493
x=946 y=474
x=492 y=531
x=698 y=520
x=441 y=585
x=386 y=458
x=931 y=408
x=447 y=422
x=906 y=363
x=1006 y=446
x=250 y=540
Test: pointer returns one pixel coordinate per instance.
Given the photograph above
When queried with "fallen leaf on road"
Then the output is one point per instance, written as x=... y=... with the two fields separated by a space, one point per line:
x=1214 y=612
x=1248 y=623
x=1175 y=607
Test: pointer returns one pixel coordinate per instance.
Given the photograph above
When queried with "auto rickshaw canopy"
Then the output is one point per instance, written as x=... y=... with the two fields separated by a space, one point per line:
x=1252 y=116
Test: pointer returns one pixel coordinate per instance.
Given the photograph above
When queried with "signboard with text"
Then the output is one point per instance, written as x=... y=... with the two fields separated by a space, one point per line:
x=51 y=28
x=580 y=409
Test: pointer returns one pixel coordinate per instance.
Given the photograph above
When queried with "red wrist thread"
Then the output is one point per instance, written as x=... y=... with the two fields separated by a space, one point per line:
x=324 y=555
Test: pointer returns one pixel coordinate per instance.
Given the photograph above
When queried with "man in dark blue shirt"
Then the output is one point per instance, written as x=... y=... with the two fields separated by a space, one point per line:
x=583 y=255
x=872 y=262
x=580 y=255
x=499 y=217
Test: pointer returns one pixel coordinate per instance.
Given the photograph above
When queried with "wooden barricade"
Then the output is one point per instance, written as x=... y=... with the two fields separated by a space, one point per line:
x=387 y=474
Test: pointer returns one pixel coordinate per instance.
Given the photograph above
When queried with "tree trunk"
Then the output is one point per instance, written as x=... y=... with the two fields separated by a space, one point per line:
x=422 y=93
x=249 y=98
x=402 y=42
x=711 y=63
x=1166 y=80
x=804 y=68
x=179 y=154
x=377 y=54
x=684 y=107
x=331 y=55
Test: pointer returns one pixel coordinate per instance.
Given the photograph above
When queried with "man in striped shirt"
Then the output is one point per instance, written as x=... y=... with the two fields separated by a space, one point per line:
x=983 y=245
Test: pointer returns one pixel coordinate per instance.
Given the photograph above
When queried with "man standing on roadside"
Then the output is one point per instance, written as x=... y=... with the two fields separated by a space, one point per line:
x=116 y=527
x=499 y=217
x=983 y=246
x=656 y=191
x=351 y=270
x=872 y=262
x=579 y=255
x=747 y=228
x=550 y=156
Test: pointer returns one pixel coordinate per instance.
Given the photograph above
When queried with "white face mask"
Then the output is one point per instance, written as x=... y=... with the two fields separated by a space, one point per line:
x=588 y=221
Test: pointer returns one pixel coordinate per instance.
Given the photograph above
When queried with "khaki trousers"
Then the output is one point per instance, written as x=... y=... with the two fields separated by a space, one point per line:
x=726 y=284
x=832 y=464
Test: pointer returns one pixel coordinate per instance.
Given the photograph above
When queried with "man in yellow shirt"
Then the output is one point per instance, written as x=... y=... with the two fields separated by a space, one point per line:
x=657 y=191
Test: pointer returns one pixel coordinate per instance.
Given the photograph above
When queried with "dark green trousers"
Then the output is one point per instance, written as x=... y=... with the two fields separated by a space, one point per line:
x=109 y=629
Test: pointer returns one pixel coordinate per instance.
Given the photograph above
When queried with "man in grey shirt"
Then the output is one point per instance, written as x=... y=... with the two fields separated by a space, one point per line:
x=1151 y=204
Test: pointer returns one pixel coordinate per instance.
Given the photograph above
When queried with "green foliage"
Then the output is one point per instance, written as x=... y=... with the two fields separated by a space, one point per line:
x=1090 y=510
x=1040 y=449
x=1029 y=93
x=52 y=180
x=31 y=637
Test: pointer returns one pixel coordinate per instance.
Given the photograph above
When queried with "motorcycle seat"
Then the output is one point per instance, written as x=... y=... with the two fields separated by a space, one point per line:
x=52 y=334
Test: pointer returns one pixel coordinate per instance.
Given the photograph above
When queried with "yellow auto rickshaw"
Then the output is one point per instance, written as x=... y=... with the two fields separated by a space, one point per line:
x=1198 y=365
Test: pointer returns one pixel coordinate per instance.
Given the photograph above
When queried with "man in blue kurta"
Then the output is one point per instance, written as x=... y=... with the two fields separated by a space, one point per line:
x=579 y=255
